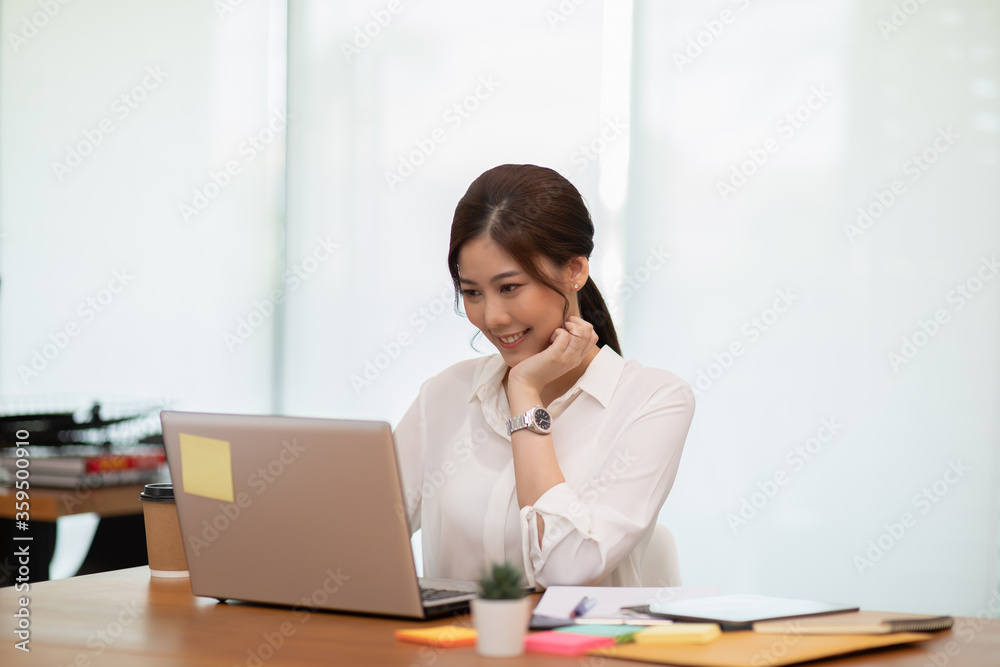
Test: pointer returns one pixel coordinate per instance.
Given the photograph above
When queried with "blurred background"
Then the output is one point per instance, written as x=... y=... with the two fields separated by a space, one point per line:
x=244 y=207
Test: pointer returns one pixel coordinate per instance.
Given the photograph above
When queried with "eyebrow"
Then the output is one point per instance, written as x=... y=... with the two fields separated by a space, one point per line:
x=497 y=278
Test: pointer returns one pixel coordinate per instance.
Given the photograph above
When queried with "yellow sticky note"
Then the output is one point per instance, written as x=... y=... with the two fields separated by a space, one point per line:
x=206 y=467
x=679 y=633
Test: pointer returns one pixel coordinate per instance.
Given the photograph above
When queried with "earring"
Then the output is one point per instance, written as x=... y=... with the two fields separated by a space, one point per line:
x=576 y=286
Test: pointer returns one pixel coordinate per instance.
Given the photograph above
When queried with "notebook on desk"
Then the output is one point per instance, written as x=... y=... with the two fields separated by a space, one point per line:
x=740 y=612
x=306 y=513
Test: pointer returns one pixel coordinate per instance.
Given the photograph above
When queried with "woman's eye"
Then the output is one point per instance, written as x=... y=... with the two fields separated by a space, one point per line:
x=509 y=288
x=470 y=293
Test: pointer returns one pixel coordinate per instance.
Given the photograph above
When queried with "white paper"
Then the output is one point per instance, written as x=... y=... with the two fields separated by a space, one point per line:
x=559 y=601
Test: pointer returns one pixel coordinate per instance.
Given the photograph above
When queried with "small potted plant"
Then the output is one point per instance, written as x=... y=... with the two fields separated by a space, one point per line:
x=501 y=613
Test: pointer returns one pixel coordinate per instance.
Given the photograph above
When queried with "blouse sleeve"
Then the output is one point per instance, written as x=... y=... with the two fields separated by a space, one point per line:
x=590 y=530
x=411 y=438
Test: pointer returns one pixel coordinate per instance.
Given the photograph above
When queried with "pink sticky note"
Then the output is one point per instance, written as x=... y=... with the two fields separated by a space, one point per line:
x=564 y=643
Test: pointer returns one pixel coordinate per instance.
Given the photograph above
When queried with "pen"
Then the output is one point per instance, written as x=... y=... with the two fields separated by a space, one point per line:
x=583 y=606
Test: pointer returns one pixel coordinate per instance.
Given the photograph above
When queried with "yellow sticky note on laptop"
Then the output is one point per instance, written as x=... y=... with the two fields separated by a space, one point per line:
x=206 y=467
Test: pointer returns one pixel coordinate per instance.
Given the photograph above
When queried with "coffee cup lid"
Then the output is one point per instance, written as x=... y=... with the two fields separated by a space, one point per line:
x=159 y=492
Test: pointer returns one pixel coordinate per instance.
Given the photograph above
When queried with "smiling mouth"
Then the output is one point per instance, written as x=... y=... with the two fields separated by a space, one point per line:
x=513 y=338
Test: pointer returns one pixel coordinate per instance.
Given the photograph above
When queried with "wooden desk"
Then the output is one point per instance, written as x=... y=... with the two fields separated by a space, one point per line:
x=125 y=619
x=50 y=504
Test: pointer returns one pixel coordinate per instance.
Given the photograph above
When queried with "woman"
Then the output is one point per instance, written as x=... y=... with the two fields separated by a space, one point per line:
x=555 y=454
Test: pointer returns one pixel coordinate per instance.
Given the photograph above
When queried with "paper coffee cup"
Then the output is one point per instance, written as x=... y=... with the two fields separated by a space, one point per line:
x=164 y=544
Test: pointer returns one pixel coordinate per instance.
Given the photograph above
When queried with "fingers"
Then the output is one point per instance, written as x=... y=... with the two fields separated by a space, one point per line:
x=581 y=328
x=569 y=345
x=574 y=338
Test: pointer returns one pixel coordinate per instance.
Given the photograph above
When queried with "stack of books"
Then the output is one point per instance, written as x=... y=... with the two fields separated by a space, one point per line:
x=75 y=443
x=86 y=466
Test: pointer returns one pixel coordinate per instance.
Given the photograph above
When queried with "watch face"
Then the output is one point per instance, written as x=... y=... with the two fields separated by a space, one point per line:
x=543 y=419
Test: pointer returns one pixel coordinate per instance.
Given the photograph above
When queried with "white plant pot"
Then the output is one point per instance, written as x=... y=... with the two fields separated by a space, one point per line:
x=501 y=626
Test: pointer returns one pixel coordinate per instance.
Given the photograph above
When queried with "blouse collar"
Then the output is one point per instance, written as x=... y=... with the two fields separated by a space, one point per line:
x=599 y=380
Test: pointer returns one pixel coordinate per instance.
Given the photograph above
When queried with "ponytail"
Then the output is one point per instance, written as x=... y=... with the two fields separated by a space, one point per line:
x=595 y=310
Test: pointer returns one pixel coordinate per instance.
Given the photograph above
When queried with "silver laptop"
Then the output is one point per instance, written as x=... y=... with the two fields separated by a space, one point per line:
x=307 y=513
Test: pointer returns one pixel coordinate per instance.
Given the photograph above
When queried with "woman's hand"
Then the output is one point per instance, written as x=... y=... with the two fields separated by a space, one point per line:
x=568 y=347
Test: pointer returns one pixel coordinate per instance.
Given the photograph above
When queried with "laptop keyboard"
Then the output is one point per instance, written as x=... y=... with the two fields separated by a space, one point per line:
x=431 y=594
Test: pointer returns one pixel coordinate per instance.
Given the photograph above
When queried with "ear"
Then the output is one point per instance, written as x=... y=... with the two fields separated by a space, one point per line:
x=577 y=272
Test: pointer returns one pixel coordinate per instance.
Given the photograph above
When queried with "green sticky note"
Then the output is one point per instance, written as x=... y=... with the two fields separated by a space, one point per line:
x=621 y=633
x=206 y=467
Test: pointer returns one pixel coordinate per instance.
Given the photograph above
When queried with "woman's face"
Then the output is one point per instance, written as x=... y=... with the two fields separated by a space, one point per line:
x=513 y=310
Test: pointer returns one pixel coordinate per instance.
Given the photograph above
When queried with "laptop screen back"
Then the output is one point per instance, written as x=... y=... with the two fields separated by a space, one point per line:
x=292 y=511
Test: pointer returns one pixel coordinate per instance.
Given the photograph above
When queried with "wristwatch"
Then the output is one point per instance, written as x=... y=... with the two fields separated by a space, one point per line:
x=537 y=419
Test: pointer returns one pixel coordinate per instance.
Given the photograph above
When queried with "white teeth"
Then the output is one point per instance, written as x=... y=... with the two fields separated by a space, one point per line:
x=511 y=339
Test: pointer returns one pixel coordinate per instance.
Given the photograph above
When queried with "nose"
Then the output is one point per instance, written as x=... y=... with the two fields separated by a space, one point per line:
x=496 y=316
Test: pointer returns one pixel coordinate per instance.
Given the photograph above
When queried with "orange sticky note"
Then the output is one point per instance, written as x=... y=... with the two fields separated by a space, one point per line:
x=444 y=636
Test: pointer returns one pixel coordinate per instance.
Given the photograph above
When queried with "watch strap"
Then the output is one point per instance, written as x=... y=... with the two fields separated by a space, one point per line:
x=517 y=423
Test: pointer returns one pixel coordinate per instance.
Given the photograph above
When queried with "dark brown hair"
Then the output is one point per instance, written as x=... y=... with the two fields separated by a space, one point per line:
x=530 y=212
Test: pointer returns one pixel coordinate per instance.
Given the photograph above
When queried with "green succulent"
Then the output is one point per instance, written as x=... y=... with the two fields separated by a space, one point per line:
x=503 y=583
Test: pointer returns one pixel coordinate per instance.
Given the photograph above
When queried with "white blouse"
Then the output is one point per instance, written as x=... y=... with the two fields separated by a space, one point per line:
x=618 y=434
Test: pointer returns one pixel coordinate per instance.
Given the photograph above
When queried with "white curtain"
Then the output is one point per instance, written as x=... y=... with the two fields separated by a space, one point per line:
x=845 y=441
x=137 y=201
